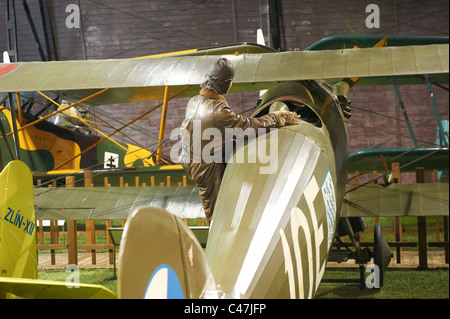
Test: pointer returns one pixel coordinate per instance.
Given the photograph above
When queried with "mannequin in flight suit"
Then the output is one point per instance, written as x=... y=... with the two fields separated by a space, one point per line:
x=209 y=109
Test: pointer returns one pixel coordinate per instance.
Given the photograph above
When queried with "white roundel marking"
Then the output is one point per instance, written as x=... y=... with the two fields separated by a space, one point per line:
x=164 y=284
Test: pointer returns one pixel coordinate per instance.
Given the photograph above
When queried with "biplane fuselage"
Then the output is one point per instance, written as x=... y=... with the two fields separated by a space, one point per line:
x=271 y=233
x=272 y=227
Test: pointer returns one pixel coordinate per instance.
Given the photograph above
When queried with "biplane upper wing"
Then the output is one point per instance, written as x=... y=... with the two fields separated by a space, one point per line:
x=134 y=80
x=336 y=42
x=114 y=202
x=369 y=160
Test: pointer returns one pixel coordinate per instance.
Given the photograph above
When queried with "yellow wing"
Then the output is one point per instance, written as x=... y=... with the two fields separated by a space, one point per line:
x=43 y=289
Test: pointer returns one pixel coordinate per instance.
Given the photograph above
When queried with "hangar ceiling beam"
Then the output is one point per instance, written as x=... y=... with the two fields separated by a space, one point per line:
x=11 y=31
x=270 y=11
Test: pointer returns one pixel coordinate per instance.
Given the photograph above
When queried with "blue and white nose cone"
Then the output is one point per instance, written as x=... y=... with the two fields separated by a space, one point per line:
x=164 y=284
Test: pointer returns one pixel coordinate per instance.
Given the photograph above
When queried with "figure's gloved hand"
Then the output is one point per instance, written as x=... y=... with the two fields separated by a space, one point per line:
x=285 y=118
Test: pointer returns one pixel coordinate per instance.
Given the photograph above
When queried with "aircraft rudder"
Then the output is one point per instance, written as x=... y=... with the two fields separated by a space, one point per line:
x=160 y=258
x=17 y=222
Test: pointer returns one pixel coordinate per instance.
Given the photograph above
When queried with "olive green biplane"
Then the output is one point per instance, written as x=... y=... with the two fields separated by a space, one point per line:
x=271 y=233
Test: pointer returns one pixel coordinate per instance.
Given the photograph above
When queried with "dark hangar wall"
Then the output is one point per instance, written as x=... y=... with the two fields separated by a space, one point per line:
x=123 y=29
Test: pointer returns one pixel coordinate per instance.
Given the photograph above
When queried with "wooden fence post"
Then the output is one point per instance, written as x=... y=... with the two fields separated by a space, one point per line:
x=109 y=223
x=41 y=233
x=446 y=238
x=444 y=180
x=53 y=239
x=90 y=224
x=422 y=226
x=436 y=218
x=72 y=231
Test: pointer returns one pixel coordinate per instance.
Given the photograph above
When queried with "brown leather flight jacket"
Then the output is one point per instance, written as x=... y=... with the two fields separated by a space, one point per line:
x=210 y=110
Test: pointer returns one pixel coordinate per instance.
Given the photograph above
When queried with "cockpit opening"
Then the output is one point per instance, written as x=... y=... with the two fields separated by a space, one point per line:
x=293 y=105
x=71 y=119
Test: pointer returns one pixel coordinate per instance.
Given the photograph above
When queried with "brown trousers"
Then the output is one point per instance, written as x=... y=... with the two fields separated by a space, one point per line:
x=208 y=178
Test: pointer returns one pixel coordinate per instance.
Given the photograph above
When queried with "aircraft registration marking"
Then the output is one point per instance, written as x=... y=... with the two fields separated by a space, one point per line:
x=288 y=189
x=313 y=231
x=329 y=198
x=16 y=219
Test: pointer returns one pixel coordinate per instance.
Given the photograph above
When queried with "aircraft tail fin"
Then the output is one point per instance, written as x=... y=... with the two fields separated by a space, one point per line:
x=160 y=258
x=17 y=222
x=6 y=58
x=260 y=37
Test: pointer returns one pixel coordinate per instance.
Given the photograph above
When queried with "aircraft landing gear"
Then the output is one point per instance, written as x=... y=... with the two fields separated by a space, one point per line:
x=381 y=253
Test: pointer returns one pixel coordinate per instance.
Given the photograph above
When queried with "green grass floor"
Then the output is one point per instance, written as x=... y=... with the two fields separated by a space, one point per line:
x=96 y=276
x=398 y=283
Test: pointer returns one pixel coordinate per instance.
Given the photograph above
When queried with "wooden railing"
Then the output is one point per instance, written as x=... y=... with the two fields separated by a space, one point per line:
x=73 y=230
x=421 y=243
x=94 y=231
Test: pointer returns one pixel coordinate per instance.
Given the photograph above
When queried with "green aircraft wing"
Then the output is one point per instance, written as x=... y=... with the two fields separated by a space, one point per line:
x=430 y=158
x=336 y=42
x=430 y=199
x=134 y=80
x=114 y=202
